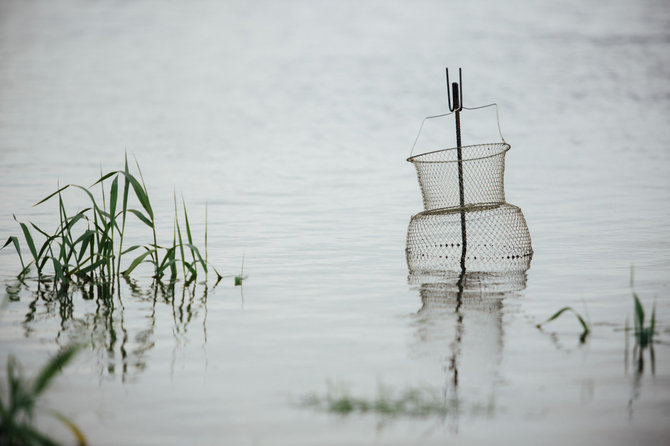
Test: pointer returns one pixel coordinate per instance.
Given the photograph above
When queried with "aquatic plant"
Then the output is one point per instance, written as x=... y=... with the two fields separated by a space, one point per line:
x=18 y=403
x=240 y=277
x=88 y=245
x=586 y=329
x=644 y=335
x=412 y=402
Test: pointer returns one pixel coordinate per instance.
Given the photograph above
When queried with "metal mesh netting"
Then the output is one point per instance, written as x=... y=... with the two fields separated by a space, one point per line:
x=466 y=224
x=483 y=168
x=497 y=239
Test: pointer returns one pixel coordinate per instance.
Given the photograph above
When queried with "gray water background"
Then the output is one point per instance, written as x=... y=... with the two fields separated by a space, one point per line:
x=293 y=121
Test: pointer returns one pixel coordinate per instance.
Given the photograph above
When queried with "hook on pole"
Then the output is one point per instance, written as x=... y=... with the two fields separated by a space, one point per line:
x=456 y=91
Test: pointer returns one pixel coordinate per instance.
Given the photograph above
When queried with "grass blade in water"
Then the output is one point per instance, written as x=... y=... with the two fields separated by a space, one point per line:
x=29 y=241
x=585 y=326
x=15 y=241
x=136 y=262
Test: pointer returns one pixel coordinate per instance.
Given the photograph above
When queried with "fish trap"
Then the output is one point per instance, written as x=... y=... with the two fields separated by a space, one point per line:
x=482 y=170
x=466 y=223
x=497 y=239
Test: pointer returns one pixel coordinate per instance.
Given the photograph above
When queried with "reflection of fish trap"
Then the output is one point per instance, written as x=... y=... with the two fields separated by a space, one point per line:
x=471 y=283
x=466 y=223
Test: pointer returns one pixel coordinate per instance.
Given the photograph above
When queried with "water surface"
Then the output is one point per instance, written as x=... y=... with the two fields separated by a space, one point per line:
x=292 y=122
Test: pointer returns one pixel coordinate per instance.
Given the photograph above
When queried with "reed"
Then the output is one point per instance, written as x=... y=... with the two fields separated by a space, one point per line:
x=88 y=245
x=19 y=403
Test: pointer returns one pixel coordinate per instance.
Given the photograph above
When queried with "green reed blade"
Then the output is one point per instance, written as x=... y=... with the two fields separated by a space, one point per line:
x=165 y=258
x=639 y=313
x=140 y=193
x=188 y=233
x=170 y=263
x=557 y=314
x=136 y=262
x=40 y=267
x=104 y=177
x=73 y=221
x=150 y=212
x=191 y=269
x=218 y=275
x=14 y=384
x=113 y=197
x=205 y=266
x=89 y=194
x=92 y=267
x=29 y=241
x=584 y=324
x=52 y=367
x=196 y=253
x=142 y=217
x=58 y=269
x=50 y=196
x=85 y=239
x=43 y=249
x=124 y=211
x=78 y=434
x=181 y=243
x=181 y=250
x=132 y=248
x=39 y=230
x=64 y=233
x=173 y=256
x=15 y=241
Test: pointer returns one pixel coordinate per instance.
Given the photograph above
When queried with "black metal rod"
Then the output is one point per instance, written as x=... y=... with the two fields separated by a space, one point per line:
x=461 y=191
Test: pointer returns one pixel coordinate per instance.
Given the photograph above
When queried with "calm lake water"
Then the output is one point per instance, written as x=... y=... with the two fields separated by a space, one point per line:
x=292 y=121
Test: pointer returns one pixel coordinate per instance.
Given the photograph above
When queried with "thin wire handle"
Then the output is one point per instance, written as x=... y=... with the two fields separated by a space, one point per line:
x=451 y=113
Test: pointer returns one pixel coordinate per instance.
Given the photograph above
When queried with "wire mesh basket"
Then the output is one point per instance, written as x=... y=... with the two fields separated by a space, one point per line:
x=497 y=239
x=466 y=223
x=483 y=172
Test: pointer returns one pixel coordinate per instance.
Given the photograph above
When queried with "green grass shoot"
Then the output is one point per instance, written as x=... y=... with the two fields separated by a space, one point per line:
x=644 y=334
x=586 y=330
x=240 y=277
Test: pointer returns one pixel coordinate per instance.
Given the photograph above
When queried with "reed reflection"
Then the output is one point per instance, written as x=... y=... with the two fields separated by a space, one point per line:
x=96 y=315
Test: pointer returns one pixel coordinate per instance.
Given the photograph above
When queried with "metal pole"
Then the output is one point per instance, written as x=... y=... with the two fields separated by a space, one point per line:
x=461 y=191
